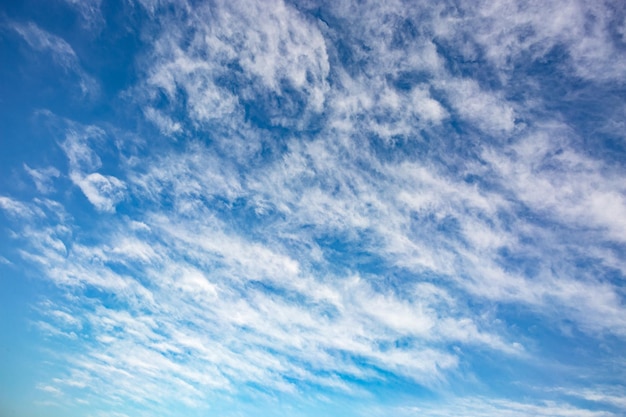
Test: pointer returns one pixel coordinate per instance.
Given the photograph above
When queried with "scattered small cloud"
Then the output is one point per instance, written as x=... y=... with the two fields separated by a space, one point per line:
x=43 y=178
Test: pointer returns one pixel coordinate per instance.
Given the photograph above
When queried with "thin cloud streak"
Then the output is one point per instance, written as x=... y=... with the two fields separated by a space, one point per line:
x=61 y=53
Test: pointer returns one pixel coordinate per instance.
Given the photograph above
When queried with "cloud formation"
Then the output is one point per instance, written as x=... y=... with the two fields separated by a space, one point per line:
x=60 y=52
x=334 y=198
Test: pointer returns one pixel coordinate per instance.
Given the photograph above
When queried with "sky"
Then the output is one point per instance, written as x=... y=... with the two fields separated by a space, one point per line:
x=312 y=208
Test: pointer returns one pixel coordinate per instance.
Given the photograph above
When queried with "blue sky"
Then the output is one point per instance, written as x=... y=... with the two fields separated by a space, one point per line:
x=239 y=208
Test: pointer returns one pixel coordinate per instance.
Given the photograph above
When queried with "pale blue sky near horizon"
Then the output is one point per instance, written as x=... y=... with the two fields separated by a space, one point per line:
x=306 y=208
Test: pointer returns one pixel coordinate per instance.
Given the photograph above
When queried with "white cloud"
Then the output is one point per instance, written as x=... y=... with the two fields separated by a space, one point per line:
x=90 y=12
x=512 y=31
x=43 y=178
x=273 y=48
x=491 y=113
x=165 y=124
x=77 y=147
x=545 y=172
x=49 y=389
x=198 y=320
x=350 y=249
x=61 y=52
x=16 y=208
x=426 y=107
x=484 y=407
x=612 y=395
x=103 y=191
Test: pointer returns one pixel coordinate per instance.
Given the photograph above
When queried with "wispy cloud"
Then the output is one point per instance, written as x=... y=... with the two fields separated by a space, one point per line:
x=357 y=194
x=103 y=191
x=511 y=31
x=17 y=208
x=61 y=53
x=43 y=177
x=483 y=407
x=90 y=12
x=259 y=317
